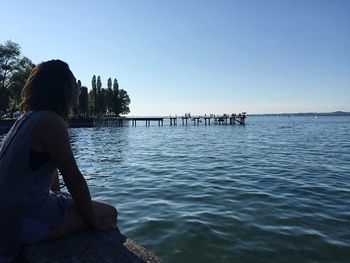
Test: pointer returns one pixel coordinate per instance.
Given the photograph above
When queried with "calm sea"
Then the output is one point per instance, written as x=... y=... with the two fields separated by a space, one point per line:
x=275 y=190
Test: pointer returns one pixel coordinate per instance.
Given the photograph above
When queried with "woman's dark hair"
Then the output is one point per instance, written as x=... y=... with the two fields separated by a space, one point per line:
x=49 y=88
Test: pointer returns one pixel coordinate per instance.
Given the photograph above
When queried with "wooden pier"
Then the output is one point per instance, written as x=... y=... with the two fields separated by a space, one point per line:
x=83 y=122
x=197 y=120
x=146 y=119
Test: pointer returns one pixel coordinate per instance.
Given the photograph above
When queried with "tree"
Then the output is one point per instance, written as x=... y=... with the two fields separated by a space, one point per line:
x=93 y=97
x=109 y=95
x=115 y=98
x=99 y=98
x=83 y=101
x=4 y=99
x=9 y=60
x=91 y=103
x=103 y=101
x=18 y=81
x=124 y=101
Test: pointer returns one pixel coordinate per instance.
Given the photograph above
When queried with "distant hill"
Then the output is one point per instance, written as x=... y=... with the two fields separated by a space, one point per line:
x=335 y=113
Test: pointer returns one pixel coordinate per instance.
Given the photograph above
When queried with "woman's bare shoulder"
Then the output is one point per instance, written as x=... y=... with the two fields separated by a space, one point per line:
x=51 y=117
x=50 y=124
x=51 y=120
x=51 y=127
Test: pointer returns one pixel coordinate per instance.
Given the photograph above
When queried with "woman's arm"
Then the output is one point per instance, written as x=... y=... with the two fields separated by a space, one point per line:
x=55 y=186
x=54 y=137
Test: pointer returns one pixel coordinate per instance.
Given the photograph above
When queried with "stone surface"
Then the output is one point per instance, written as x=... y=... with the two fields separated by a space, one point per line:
x=89 y=247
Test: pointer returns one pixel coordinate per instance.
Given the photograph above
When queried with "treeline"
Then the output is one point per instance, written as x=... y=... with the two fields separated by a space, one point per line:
x=15 y=70
x=103 y=101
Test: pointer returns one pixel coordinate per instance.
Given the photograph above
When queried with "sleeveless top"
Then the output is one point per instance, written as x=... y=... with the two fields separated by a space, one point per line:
x=23 y=192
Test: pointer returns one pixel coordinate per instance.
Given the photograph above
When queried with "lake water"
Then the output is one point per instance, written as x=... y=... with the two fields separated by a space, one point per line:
x=277 y=189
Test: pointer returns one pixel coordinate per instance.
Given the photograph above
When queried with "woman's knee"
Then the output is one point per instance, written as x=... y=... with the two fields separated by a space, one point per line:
x=105 y=211
x=72 y=223
x=114 y=213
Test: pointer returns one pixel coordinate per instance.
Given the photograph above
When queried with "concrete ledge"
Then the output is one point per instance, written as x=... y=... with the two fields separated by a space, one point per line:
x=89 y=247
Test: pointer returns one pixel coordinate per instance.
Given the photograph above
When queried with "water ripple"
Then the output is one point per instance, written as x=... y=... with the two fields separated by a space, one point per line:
x=276 y=190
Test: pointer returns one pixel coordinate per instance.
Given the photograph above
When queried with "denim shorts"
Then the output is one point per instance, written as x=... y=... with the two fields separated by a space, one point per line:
x=33 y=231
x=37 y=224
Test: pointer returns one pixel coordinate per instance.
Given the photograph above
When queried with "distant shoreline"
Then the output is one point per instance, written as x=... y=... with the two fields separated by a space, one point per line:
x=335 y=113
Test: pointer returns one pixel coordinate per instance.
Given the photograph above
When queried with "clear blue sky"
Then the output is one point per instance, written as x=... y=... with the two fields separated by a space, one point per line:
x=196 y=56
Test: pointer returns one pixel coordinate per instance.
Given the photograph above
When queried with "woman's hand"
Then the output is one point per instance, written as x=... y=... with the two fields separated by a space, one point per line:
x=104 y=225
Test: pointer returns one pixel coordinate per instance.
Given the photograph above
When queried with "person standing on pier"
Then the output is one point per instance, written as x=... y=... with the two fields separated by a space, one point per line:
x=32 y=208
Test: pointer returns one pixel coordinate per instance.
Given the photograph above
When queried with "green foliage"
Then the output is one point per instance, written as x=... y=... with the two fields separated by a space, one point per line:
x=99 y=96
x=91 y=103
x=19 y=79
x=124 y=102
x=4 y=99
x=116 y=107
x=109 y=96
x=14 y=72
x=94 y=95
x=99 y=84
x=9 y=58
x=102 y=102
x=83 y=101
